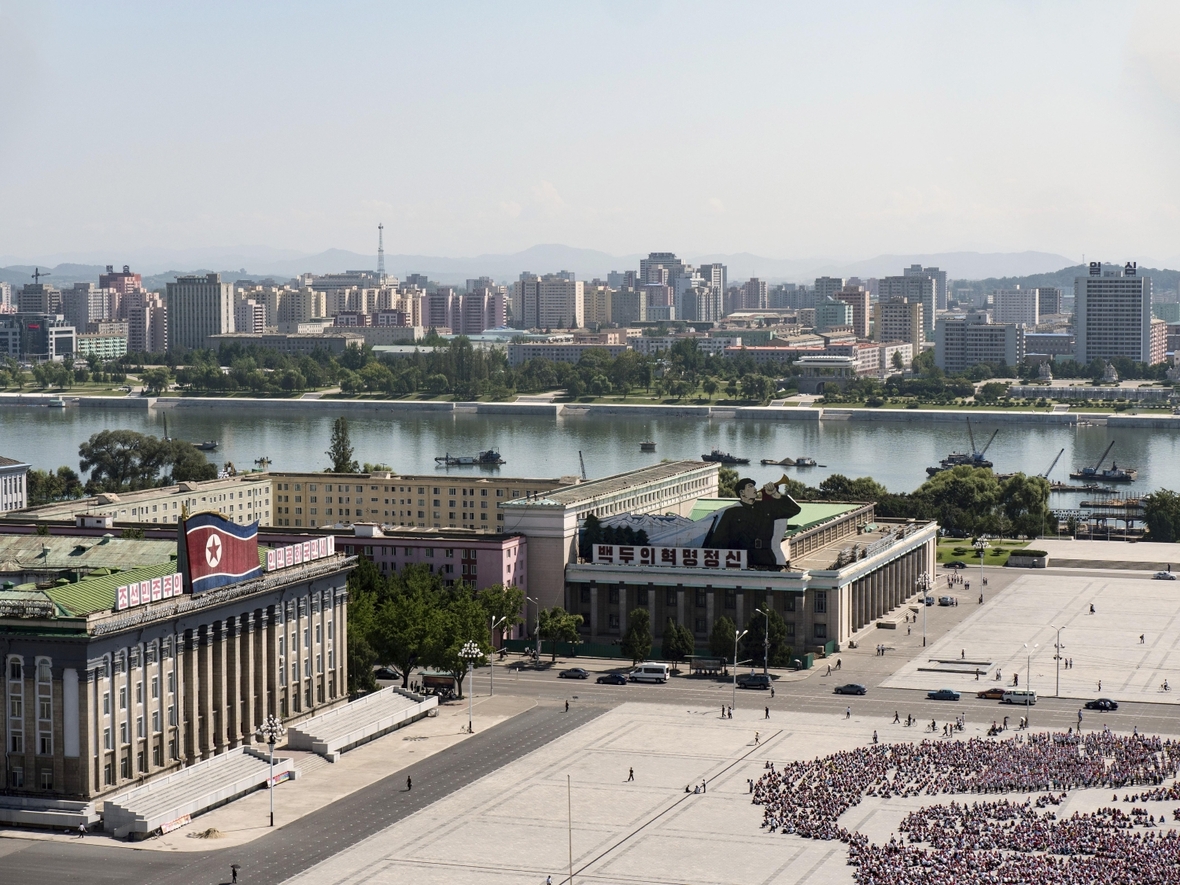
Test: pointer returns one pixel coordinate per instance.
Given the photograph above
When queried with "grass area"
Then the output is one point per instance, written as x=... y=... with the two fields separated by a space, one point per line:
x=950 y=549
x=86 y=389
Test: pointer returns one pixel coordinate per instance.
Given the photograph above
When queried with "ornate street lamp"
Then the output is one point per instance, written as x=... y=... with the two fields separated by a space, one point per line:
x=925 y=582
x=491 y=661
x=470 y=653
x=271 y=731
x=736 y=637
x=981 y=547
x=765 y=640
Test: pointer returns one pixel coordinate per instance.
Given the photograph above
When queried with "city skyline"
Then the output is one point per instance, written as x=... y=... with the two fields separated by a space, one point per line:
x=790 y=133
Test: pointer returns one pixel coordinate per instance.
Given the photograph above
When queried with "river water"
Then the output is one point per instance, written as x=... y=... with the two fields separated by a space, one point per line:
x=895 y=454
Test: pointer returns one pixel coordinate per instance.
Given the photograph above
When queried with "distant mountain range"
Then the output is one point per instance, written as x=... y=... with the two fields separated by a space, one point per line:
x=264 y=262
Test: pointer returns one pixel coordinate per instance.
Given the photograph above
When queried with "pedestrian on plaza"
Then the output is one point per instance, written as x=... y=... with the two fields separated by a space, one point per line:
x=874 y=735
x=829 y=673
x=81 y=831
x=896 y=718
x=409 y=785
x=233 y=872
x=704 y=787
x=630 y=775
x=731 y=712
x=1091 y=608
x=1079 y=719
x=772 y=692
x=848 y=712
x=767 y=713
x=723 y=711
x=963 y=654
x=756 y=739
x=548 y=880
x=1141 y=638
x=1099 y=685
x=567 y=706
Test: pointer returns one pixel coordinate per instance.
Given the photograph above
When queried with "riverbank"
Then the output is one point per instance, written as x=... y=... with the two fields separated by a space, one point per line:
x=610 y=410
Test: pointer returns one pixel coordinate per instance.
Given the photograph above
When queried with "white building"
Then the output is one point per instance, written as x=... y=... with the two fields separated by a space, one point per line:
x=197 y=308
x=1112 y=314
x=1019 y=306
x=548 y=302
x=964 y=341
x=13 y=488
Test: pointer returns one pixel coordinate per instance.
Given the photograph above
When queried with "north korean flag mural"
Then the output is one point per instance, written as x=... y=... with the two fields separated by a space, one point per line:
x=216 y=552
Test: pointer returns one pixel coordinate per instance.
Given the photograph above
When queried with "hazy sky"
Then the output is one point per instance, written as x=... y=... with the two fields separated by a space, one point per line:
x=784 y=129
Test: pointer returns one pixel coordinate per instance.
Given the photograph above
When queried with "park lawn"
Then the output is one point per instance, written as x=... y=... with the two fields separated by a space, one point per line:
x=997 y=554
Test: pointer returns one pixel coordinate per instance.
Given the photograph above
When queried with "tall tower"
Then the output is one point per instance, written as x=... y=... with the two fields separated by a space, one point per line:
x=381 y=251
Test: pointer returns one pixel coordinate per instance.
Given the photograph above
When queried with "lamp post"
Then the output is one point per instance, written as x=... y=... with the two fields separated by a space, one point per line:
x=765 y=640
x=491 y=662
x=924 y=584
x=470 y=653
x=1028 y=680
x=736 y=636
x=537 y=632
x=1057 y=656
x=981 y=547
x=270 y=731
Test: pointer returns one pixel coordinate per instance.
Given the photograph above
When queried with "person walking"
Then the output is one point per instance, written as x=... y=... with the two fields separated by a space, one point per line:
x=848 y=712
x=233 y=874
x=81 y=831
x=757 y=739
x=409 y=785
x=896 y=718
x=567 y=706
x=630 y=775
x=1079 y=720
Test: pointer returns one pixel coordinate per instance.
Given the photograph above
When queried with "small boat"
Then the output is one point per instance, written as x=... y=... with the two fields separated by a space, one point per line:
x=490 y=458
x=721 y=457
x=785 y=462
x=805 y=462
x=208 y=445
x=56 y=402
x=648 y=446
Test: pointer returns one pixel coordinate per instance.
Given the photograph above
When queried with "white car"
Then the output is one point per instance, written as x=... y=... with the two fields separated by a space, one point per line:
x=1164 y=576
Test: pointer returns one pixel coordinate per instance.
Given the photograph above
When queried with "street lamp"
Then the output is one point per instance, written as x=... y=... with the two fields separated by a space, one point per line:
x=1057 y=649
x=491 y=661
x=924 y=584
x=270 y=731
x=981 y=547
x=736 y=637
x=765 y=639
x=537 y=633
x=470 y=653
x=1028 y=680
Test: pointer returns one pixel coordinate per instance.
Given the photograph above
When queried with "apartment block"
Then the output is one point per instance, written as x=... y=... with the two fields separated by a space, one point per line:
x=961 y=342
x=1112 y=314
x=198 y=307
x=897 y=319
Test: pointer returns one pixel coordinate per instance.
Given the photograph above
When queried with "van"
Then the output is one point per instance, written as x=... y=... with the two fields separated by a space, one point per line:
x=1020 y=697
x=650 y=673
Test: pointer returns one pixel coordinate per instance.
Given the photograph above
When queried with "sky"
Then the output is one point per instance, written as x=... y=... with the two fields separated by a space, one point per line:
x=790 y=130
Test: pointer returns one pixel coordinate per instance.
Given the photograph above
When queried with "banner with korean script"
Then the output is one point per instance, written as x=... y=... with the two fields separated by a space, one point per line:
x=669 y=557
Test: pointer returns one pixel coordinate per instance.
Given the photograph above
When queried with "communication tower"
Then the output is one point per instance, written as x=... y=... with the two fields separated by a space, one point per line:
x=381 y=251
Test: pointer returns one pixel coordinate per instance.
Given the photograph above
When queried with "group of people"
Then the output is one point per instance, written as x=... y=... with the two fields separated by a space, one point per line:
x=993 y=840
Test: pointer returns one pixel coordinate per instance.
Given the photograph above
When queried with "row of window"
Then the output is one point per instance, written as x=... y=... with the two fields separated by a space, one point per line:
x=701 y=598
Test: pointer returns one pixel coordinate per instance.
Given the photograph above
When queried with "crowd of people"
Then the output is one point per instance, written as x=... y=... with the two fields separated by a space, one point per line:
x=991 y=841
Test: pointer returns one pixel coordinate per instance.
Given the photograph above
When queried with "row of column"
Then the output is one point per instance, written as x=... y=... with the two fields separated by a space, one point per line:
x=885 y=589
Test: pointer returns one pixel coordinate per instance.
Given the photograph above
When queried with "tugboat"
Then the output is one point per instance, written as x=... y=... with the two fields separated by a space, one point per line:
x=721 y=457
x=208 y=445
x=647 y=446
x=805 y=462
x=490 y=458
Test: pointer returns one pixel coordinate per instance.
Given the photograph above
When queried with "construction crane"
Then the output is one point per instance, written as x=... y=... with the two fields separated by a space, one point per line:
x=971 y=436
x=1045 y=475
x=989 y=443
x=1091 y=472
x=585 y=478
x=36 y=274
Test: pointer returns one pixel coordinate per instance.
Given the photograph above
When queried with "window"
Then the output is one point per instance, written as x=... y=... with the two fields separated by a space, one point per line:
x=125 y=767
x=307 y=637
x=123 y=698
x=123 y=733
x=319 y=663
x=613 y=596
x=106 y=739
x=155 y=687
x=821 y=631
x=790 y=631
x=821 y=601
x=45 y=743
x=14 y=669
x=789 y=599
x=698 y=625
x=139 y=692
x=701 y=598
x=17 y=742
x=15 y=707
x=171 y=681
x=139 y=727
x=641 y=596
x=614 y=622
x=730 y=600
x=45 y=708
x=317 y=634
x=670 y=597
x=157 y=755
x=172 y=716
x=108 y=774
x=46 y=778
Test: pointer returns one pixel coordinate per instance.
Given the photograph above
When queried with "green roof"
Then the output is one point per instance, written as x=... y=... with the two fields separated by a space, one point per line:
x=811 y=513
x=97 y=593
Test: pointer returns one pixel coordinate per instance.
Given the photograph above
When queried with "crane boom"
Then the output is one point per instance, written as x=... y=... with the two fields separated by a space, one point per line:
x=583 y=465
x=1045 y=475
x=1104 y=454
x=971 y=436
x=989 y=442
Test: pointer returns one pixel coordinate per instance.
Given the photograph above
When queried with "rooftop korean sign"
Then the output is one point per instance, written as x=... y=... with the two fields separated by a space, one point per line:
x=299 y=553
x=669 y=557
x=153 y=590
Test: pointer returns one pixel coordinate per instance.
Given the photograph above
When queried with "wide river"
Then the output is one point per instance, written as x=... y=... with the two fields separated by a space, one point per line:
x=894 y=454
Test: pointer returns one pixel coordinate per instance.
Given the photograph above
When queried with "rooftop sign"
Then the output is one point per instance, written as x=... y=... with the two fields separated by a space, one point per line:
x=670 y=557
x=297 y=554
x=143 y=592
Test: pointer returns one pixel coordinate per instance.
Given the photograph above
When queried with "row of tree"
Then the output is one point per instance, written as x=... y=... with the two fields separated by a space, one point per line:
x=765 y=637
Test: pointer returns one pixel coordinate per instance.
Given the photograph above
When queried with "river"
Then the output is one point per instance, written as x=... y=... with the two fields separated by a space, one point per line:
x=894 y=454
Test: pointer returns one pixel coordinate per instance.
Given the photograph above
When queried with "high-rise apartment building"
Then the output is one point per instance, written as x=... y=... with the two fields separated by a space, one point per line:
x=1020 y=306
x=826 y=287
x=667 y=260
x=1112 y=314
x=38 y=298
x=198 y=306
x=1048 y=301
x=755 y=295
x=628 y=306
x=961 y=342
x=915 y=288
x=83 y=305
x=147 y=322
x=832 y=314
x=121 y=282
x=899 y=320
x=596 y=304
x=549 y=302
x=714 y=276
x=935 y=274
x=857 y=297
x=249 y=316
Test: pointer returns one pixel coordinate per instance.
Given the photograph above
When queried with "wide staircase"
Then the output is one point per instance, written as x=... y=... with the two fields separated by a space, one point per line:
x=172 y=800
x=364 y=719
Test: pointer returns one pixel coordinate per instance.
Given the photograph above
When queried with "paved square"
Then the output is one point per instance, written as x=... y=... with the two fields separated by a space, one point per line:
x=1103 y=646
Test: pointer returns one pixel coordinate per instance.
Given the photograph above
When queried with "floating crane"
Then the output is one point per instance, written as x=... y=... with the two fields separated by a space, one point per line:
x=1045 y=475
x=979 y=457
x=585 y=478
x=1092 y=472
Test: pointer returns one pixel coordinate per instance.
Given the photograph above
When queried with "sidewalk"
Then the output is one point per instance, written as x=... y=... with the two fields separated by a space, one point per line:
x=319 y=783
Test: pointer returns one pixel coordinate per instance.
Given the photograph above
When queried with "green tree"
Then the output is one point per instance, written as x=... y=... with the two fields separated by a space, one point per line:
x=461 y=620
x=778 y=647
x=727 y=480
x=340 y=451
x=1161 y=512
x=678 y=642
x=406 y=622
x=123 y=460
x=156 y=381
x=558 y=625
x=636 y=641
x=1025 y=503
x=364 y=588
x=721 y=639
x=46 y=486
x=499 y=602
x=710 y=386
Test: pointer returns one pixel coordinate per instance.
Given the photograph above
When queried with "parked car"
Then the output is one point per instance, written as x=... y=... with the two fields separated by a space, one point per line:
x=946 y=600
x=573 y=673
x=991 y=694
x=754 y=680
x=1104 y=704
x=387 y=673
x=612 y=679
x=929 y=600
x=850 y=688
x=1164 y=576
x=943 y=694
x=956 y=563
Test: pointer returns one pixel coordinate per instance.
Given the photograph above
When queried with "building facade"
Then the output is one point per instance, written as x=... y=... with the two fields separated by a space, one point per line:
x=198 y=308
x=1112 y=314
x=14 y=492
x=961 y=342
x=916 y=289
x=899 y=320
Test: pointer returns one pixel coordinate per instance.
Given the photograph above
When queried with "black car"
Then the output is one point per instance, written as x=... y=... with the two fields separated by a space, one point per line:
x=943 y=694
x=1104 y=704
x=956 y=563
x=612 y=679
x=573 y=673
x=387 y=673
x=850 y=688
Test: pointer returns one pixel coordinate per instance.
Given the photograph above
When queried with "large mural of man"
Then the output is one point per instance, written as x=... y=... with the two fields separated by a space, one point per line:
x=755 y=524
